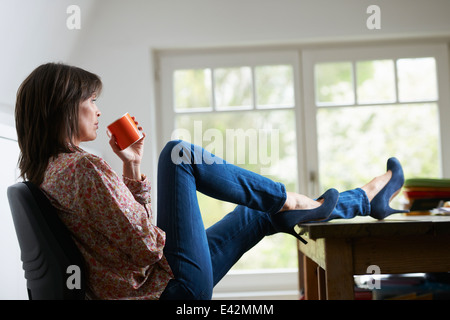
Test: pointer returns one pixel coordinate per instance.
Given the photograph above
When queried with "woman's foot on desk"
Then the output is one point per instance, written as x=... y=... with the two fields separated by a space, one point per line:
x=300 y=209
x=296 y=201
x=384 y=188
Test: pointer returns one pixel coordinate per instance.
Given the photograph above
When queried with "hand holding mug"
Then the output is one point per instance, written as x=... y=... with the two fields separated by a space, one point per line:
x=127 y=139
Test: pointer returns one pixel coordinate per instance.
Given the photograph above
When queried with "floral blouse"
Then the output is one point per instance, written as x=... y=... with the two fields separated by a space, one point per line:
x=111 y=222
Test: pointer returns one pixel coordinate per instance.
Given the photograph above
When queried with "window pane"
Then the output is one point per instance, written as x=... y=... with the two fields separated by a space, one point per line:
x=334 y=84
x=274 y=86
x=261 y=141
x=233 y=87
x=192 y=89
x=417 y=79
x=376 y=81
x=355 y=142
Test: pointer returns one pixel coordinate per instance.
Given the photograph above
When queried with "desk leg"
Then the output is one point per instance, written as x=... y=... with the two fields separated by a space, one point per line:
x=339 y=269
x=310 y=279
x=321 y=277
x=301 y=274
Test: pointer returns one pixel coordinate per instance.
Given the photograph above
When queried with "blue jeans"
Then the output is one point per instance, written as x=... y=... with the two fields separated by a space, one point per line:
x=199 y=258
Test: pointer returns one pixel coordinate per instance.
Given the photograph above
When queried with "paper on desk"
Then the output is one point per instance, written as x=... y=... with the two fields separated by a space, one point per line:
x=441 y=211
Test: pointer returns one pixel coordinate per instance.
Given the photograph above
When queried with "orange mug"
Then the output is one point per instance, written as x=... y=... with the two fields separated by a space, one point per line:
x=125 y=131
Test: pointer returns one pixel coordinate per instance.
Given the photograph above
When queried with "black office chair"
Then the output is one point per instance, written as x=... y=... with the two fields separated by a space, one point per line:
x=47 y=249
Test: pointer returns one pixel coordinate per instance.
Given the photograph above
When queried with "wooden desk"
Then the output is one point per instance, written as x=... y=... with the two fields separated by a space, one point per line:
x=339 y=249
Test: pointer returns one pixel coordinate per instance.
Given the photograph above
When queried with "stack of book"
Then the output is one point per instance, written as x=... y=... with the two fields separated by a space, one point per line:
x=427 y=195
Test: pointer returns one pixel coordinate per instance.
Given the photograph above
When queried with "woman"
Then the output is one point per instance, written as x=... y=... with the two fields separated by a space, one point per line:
x=110 y=217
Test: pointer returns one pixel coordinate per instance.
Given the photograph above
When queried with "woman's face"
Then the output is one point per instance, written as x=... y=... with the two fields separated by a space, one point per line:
x=88 y=115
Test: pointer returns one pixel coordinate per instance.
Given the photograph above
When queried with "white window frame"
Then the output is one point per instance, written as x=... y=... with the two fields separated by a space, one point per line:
x=168 y=62
x=374 y=52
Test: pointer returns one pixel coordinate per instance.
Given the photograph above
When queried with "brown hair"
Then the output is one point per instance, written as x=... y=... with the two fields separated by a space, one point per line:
x=47 y=114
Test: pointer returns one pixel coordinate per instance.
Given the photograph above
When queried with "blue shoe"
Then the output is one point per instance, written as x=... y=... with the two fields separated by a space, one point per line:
x=285 y=221
x=379 y=206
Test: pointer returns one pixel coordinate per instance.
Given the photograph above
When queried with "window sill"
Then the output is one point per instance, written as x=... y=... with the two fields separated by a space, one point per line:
x=269 y=284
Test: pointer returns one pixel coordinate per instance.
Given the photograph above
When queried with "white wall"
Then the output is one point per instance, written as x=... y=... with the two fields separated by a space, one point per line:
x=117 y=37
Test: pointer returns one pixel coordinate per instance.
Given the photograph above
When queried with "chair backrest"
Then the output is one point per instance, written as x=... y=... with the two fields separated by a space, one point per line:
x=54 y=267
